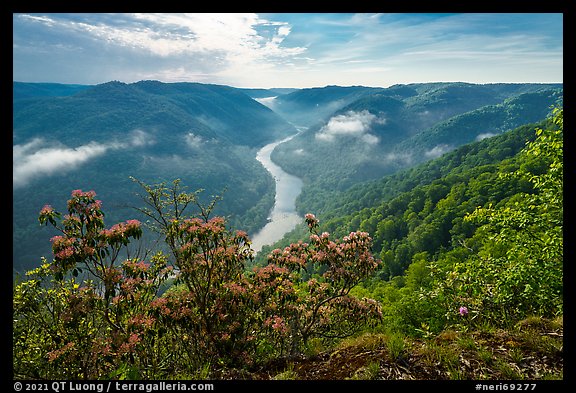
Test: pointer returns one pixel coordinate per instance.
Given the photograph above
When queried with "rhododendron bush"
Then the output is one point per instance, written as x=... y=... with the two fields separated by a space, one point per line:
x=99 y=309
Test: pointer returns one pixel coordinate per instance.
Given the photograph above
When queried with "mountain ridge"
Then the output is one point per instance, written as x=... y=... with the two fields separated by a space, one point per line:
x=208 y=110
x=99 y=136
x=381 y=133
x=464 y=246
x=207 y=135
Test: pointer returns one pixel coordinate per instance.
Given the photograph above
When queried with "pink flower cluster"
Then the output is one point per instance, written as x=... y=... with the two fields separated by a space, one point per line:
x=53 y=355
x=63 y=247
x=46 y=210
x=276 y=323
x=311 y=220
x=199 y=227
x=119 y=233
x=84 y=204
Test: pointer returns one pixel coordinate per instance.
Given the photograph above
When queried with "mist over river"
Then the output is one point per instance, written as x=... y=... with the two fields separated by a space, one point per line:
x=283 y=217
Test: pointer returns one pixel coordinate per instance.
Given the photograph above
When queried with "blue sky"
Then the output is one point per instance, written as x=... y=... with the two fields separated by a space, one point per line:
x=288 y=50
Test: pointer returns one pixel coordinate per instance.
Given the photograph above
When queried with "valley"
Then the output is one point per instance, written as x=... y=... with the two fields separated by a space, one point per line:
x=283 y=216
x=96 y=137
x=403 y=233
x=330 y=198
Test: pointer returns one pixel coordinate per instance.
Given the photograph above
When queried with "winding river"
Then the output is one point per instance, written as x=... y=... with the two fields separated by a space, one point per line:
x=283 y=217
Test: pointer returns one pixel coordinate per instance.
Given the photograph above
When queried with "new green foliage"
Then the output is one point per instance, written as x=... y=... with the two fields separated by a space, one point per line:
x=470 y=241
x=490 y=240
x=520 y=264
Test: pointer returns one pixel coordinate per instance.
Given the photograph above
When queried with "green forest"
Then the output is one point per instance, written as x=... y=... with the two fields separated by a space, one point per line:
x=206 y=135
x=451 y=269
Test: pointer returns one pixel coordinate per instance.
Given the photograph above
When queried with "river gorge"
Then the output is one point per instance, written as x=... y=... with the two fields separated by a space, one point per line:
x=283 y=216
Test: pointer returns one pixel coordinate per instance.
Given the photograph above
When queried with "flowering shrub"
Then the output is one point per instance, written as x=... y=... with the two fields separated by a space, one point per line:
x=84 y=238
x=65 y=328
x=112 y=321
x=326 y=309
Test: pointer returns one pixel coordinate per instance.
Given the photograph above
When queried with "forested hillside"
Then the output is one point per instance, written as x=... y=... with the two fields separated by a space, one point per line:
x=96 y=137
x=390 y=129
x=29 y=90
x=424 y=208
x=165 y=109
x=465 y=211
x=485 y=236
x=70 y=136
x=469 y=284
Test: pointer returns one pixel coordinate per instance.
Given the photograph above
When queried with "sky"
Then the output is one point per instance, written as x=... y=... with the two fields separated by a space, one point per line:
x=296 y=50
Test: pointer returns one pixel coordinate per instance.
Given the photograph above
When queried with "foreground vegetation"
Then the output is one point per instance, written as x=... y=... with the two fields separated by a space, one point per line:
x=531 y=350
x=487 y=306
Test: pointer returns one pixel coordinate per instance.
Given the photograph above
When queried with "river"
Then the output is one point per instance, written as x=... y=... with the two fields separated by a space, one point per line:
x=283 y=217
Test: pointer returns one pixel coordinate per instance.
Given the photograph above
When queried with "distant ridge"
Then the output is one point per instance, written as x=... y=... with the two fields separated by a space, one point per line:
x=28 y=89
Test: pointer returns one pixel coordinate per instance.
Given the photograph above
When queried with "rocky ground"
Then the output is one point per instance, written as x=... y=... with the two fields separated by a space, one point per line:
x=533 y=350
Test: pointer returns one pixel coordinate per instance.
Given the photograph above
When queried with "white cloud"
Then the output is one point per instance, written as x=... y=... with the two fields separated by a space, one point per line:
x=35 y=159
x=139 y=138
x=403 y=158
x=288 y=49
x=438 y=150
x=194 y=141
x=485 y=135
x=355 y=124
x=198 y=42
x=370 y=139
x=38 y=158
